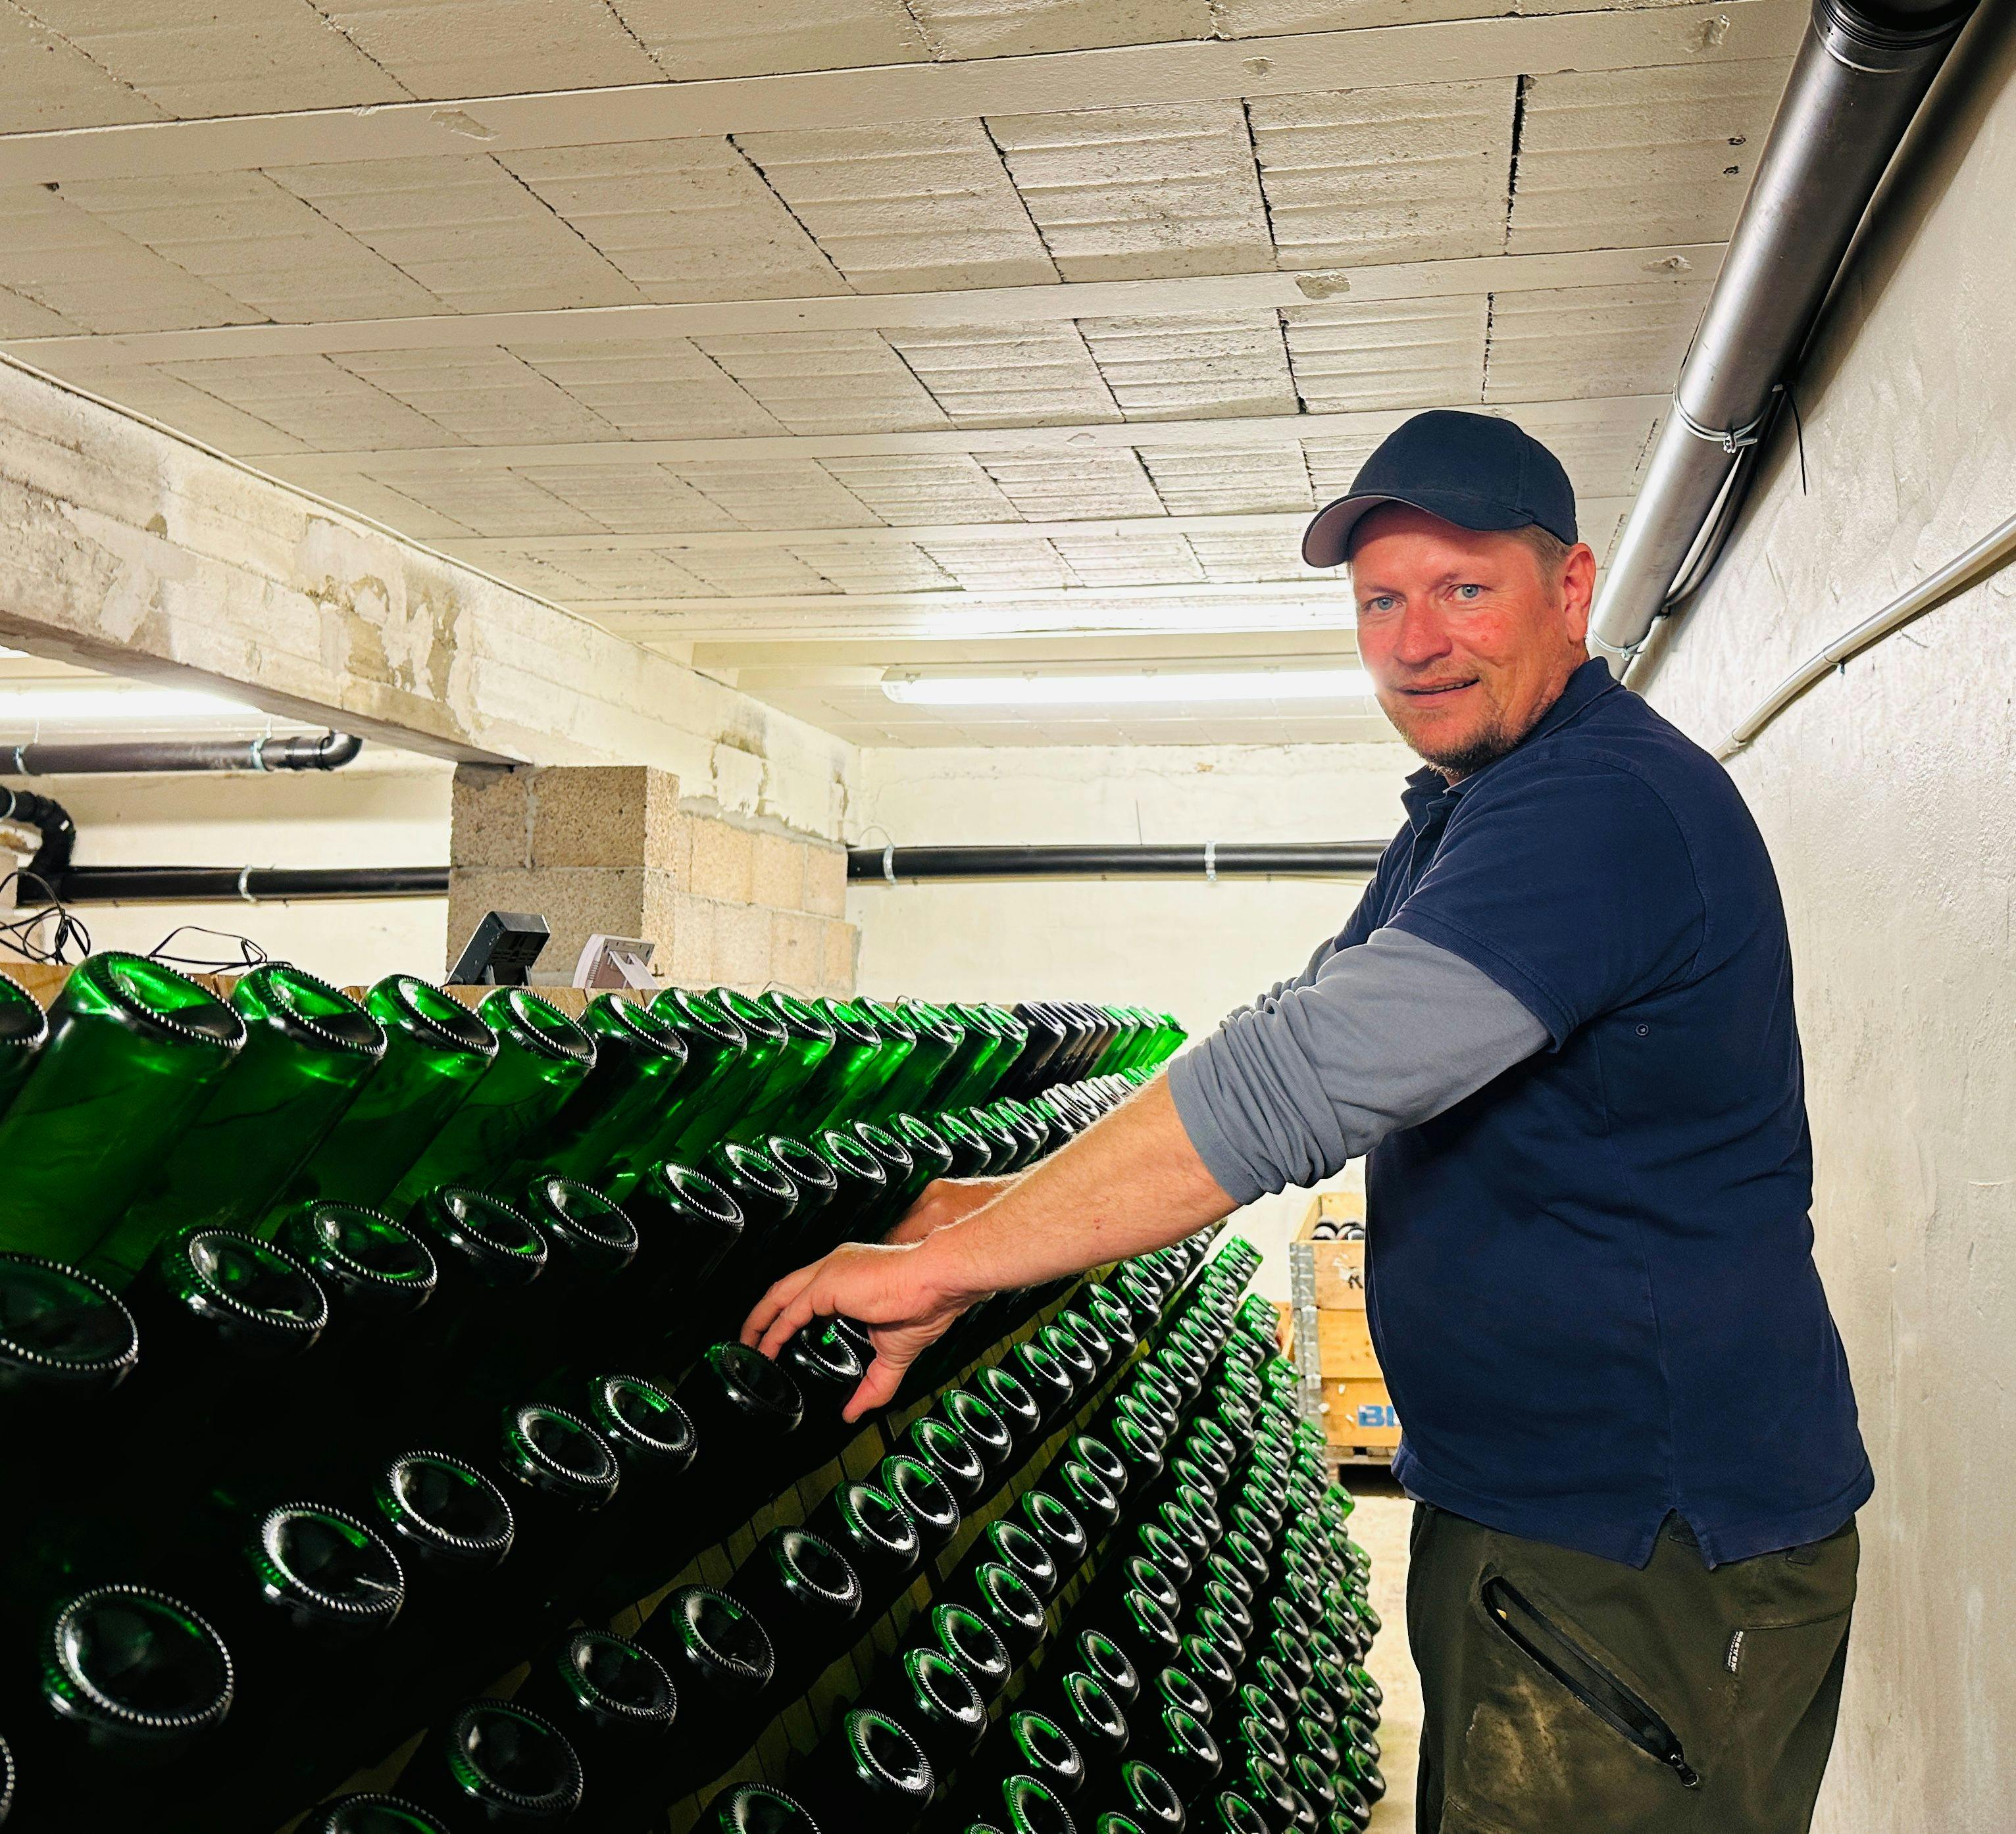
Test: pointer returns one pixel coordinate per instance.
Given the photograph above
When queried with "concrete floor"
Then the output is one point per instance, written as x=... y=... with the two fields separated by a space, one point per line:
x=1379 y=1524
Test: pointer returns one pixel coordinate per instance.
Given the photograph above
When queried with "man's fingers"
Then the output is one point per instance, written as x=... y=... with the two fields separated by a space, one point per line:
x=758 y=1327
x=878 y=1387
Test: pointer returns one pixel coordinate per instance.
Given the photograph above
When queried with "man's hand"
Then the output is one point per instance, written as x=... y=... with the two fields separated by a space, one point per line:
x=893 y=1289
x=943 y=1201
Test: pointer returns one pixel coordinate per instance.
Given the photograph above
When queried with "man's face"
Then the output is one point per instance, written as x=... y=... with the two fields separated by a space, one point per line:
x=1467 y=638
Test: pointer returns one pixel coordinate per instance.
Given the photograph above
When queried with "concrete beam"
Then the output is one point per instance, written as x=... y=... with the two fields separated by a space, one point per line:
x=124 y=547
x=327 y=471
x=1455 y=276
x=478 y=548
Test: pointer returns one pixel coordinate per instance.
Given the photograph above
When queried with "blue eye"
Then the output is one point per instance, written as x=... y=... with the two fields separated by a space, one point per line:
x=1468 y=592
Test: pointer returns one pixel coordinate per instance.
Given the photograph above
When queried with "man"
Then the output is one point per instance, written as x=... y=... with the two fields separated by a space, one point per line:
x=1560 y=1025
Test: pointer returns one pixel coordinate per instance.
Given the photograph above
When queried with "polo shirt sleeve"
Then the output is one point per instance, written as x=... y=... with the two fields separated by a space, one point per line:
x=1386 y=1035
x=1570 y=883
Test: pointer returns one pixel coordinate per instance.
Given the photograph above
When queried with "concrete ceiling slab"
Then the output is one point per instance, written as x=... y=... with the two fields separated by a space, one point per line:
x=667 y=389
x=1008 y=28
x=438 y=49
x=1420 y=173
x=1183 y=367
x=761 y=37
x=1400 y=353
x=1140 y=193
x=827 y=381
x=920 y=207
x=228 y=57
x=467 y=230
x=1591 y=340
x=681 y=219
x=903 y=326
x=1014 y=375
x=1624 y=156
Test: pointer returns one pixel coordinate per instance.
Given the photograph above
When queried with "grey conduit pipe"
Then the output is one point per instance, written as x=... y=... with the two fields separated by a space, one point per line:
x=134 y=756
x=1861 y=72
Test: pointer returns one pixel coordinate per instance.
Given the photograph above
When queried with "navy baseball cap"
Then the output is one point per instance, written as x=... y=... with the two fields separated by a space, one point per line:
x=1475 y=470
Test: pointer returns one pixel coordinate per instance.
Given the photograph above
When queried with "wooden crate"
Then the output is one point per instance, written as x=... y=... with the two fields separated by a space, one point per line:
x=1338 y=1268
x=1359 y=1415
x=1348 y=1391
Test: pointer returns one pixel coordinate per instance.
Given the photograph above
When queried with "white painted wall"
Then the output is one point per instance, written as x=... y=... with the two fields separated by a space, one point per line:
x=1194 y=949
x=1884 y=796
x=390 y=808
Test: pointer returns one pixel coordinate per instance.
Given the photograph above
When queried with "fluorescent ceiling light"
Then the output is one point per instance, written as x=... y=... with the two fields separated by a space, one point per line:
x=40 y=706
x=1133 y=690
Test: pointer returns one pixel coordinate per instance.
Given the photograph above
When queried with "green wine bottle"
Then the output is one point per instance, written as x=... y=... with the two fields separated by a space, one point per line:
x=24 y=1028
x=309 y=1049
x=725 y=1061
x=621 y=1118
x=435 y=1049
x=938 y=1037
x=892 y=1062
x=542 y=1057
x=809 y=1041
x=134 y=1049
x=847 y=1076
x=949 y=1072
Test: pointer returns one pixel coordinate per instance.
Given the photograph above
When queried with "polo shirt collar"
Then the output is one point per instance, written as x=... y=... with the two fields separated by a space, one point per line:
x=1428 y=793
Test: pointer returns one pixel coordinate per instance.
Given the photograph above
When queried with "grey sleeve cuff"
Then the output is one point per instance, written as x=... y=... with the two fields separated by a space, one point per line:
x=1384 y=1037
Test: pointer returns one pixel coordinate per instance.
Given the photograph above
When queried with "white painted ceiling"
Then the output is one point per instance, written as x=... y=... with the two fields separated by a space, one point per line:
x=804 y=338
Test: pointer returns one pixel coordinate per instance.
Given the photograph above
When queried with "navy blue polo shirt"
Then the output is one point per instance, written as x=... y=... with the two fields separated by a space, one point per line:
x=1591 y=1283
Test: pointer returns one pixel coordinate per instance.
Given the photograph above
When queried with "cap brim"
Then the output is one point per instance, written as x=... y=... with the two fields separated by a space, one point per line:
x=1326 y=541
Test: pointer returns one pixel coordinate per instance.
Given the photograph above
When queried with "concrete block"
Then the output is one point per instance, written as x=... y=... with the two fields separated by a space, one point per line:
x=797 y=951
x=686 y=957
x=777 y=876
x=491 y=816
x=724 y=860
x=601 y=814
x=826 y=880
x=576 y=901
x=841 y=951
x=742 y=946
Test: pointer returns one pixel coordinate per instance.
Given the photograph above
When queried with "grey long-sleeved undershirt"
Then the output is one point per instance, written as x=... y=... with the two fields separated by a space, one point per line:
x=1320 y=1068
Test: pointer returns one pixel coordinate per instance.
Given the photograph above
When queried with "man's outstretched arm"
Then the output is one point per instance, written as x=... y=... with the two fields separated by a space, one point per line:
x=1385 y=1035
x=1130 y=1182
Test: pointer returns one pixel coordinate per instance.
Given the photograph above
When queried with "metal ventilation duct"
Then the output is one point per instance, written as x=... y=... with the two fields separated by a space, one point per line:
x=1858 y=77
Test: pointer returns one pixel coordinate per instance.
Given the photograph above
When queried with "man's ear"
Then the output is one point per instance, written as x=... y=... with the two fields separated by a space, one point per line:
x=1578 y=589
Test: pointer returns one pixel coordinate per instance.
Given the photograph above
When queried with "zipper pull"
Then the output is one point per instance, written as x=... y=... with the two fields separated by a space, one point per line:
x=1690 y=1777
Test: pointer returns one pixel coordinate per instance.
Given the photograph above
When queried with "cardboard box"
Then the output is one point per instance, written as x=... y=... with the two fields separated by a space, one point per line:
x=1359 y=1412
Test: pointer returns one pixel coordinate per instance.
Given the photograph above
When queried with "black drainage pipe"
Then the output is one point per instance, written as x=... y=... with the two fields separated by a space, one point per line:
x=137 y=756
x=251 y=885
x=1209 y=860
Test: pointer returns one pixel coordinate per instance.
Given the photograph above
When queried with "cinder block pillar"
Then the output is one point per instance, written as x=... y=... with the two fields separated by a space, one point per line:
x=608 y=848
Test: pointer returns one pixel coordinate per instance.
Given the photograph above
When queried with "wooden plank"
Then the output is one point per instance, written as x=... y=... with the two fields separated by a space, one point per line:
x=1343 y=1342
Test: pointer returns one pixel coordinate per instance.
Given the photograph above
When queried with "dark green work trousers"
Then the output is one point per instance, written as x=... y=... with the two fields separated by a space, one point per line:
x=1566 y=1693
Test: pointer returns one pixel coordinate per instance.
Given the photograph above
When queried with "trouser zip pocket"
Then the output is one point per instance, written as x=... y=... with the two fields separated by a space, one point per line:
x=1558 y=1653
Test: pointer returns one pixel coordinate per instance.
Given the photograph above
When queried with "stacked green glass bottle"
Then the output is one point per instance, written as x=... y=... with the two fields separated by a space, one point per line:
x=355 y=1234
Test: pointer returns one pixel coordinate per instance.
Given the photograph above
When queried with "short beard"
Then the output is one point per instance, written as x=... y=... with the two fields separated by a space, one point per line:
x=1484 y=748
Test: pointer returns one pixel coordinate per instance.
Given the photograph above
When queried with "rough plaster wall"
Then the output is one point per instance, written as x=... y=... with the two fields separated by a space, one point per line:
x=125 y=548
x=1194 y=949
x=1884 y=796
x=389 y=809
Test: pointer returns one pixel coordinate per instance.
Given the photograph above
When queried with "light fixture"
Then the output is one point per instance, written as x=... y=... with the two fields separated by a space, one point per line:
x=1133 y=690
x=46 y=705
